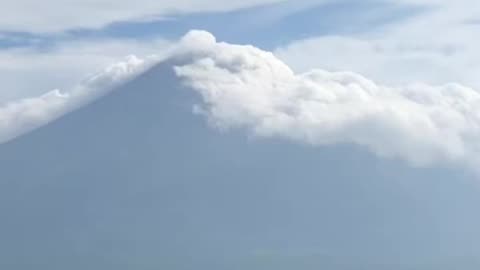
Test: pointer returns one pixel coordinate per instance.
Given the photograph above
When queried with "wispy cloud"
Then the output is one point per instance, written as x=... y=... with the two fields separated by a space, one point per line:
x=437 y=46
x=59 y=15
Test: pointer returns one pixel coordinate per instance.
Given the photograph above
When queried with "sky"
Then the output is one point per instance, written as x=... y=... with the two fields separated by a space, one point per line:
x=270 y=26
x=330 y=131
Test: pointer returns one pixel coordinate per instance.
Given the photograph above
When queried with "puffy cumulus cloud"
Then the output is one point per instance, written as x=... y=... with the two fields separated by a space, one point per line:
x=21 y=116
x=245 y=87
x=59 y=15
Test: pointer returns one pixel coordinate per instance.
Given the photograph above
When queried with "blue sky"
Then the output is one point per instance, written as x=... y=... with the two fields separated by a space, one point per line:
x=282 y=135
x=267 y=26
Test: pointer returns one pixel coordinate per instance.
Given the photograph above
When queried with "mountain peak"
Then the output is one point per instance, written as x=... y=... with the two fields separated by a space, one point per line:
x=139 y=176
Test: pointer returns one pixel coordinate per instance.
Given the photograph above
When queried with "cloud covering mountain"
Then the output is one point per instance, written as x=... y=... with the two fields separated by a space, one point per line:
x=245 y=87
x=136 y=180
x=22 y=116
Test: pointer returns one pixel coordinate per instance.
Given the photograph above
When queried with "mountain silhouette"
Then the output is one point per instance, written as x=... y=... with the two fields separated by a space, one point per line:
x=136 y=180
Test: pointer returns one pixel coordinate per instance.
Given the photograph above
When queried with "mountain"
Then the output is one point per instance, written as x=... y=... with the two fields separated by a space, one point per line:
x=136 y=180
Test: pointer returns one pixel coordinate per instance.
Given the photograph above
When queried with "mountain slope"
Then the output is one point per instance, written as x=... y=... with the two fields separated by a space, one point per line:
x=135 y=180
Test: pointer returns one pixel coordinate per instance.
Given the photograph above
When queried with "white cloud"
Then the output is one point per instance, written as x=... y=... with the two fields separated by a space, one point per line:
x=19 y=117
x=243 y=87
x=437 y=46
x=28 y=72
x=58 y=15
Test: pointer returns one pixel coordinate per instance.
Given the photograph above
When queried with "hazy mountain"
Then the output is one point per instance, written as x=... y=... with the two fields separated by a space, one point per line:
x=136 y=180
